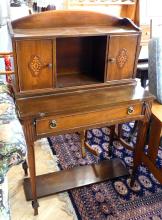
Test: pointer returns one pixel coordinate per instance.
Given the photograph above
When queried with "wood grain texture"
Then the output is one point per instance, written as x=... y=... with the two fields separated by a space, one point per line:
x=64 y=83
x=155 y=131
x=157 y=110
x=30 y=138
x=149 y=160
x=82 y=55
x=77 y=44
x=90 y=100
x=141 y=139
x=33 y=60
x=75 y=121
x=154 y=139
x=65 y=19
x=52 y=183
x=71 y=31
x=121 y=58
x=74 y=114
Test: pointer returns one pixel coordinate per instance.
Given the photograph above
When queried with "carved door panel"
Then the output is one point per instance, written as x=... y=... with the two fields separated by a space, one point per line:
x=34 y=64
x=121 y=57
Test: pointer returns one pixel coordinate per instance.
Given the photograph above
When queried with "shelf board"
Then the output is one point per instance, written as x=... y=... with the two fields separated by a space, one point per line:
x=75 y=79
x=51 y=183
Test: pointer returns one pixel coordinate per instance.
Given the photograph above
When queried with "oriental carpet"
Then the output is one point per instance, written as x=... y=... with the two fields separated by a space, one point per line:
x=113 y=199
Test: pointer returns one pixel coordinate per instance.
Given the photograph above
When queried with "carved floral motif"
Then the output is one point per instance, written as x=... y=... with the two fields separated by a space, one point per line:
x=122 y=57
x=35 y=65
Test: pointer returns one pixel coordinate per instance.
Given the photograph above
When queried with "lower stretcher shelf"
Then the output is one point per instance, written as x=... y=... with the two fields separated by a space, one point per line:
x=60 y=181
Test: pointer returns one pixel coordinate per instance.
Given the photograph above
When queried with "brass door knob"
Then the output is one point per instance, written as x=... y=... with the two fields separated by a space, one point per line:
x=47 y=65
x=130 y=110
x=111 y=60
x=53 y=124
x=50 y=65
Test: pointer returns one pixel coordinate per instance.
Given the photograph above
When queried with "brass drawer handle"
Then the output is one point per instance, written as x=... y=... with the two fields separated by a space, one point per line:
x=130 y=110
x=53 y=124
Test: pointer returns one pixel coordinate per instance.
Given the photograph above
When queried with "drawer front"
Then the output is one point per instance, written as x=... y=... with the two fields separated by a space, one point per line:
x=76 y=121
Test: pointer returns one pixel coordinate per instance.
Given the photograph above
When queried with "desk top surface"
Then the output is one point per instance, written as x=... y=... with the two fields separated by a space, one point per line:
x=70 y=31
x=80 y=101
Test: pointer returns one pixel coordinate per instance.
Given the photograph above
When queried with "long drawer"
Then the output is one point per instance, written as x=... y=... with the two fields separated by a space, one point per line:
x=82 y=120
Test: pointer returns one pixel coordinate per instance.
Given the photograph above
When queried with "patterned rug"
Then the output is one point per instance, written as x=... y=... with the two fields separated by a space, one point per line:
x=115 y=199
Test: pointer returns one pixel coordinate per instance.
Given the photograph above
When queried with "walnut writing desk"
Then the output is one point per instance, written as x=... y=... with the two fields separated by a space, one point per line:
x=75 y=70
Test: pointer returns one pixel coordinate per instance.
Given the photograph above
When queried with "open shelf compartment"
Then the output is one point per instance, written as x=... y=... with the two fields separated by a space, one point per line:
x=82 y=62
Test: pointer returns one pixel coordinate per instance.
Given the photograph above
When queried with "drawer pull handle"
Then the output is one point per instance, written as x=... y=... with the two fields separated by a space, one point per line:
x=53 y=124
x=130 y=110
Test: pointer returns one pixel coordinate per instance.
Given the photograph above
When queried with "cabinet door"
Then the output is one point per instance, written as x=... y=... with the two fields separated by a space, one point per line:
x=34 y=64
x=121 y=57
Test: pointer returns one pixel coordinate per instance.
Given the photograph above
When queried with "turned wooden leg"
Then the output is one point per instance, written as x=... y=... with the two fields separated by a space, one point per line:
x=112 y=133
x=83 y=139
x=25 y=167
x=29 y=135
x=119 y=131
x=133 y=131
x=139 y=148
x=154 y=139
x=31 y=163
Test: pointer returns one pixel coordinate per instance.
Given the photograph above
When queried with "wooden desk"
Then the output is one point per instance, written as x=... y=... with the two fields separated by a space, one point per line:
x=57 y=114
x=71 y=75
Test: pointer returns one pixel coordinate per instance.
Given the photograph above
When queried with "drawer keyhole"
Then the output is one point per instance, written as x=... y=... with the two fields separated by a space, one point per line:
x=53 y=124
x=130 y=110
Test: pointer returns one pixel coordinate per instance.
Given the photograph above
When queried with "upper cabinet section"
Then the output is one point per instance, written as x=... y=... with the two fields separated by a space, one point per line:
x=62 y=51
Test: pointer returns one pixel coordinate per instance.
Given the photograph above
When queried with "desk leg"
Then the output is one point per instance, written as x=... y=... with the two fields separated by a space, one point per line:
x=112 y=134
x=29 y=135
x=141 y=140
x=154 y=139
x=25 y=167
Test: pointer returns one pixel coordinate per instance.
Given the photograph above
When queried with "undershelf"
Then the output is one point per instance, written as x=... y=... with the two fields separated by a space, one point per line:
x=76 y=79
x=51 y=183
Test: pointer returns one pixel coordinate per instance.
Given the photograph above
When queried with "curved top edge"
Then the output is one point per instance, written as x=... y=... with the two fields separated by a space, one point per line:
x=129 y=22
x=67 y=18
